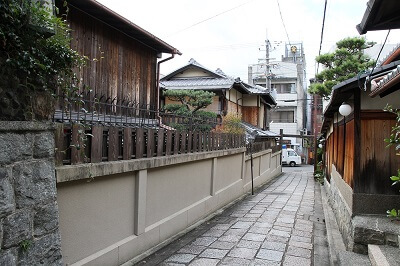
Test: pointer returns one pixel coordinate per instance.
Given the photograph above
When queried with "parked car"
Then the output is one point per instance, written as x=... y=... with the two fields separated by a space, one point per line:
x=290 y=157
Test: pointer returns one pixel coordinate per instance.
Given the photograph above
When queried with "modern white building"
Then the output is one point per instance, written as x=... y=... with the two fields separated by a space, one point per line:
x=288 y=82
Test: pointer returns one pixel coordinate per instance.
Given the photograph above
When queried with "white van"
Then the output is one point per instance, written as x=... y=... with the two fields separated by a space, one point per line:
x=290 y=157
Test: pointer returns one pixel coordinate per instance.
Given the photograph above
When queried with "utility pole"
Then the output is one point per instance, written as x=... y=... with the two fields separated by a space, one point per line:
x=267 y=80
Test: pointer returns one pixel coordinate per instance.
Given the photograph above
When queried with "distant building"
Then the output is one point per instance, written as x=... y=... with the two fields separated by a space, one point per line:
x=288 y=81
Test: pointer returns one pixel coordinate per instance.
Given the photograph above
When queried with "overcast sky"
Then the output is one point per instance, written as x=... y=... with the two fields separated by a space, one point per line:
x=233 y=35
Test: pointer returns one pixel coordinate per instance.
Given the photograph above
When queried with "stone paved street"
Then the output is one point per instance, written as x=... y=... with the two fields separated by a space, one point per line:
x=282 y=224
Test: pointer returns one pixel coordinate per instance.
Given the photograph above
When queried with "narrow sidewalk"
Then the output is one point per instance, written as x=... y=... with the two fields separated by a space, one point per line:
x=282 y=224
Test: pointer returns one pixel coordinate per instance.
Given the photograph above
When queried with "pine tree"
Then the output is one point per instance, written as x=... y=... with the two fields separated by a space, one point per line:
x=190 y=108
x=344 y=63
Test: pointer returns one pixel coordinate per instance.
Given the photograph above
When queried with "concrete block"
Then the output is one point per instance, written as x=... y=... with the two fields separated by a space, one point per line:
x=376 y=256
x=136 y=248
x=107 y=257
x=346 y=258
x=173 y=225
x=197 y=211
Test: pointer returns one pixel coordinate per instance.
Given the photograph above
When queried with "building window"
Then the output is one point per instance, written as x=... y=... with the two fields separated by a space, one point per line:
x=285 y=88
x=282 y=117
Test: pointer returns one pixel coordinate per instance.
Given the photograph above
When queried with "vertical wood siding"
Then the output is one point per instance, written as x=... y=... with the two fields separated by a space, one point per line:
x=339 y=151
x=250 y=114
x=377 y=161
x=118 y=66
x=349 y=154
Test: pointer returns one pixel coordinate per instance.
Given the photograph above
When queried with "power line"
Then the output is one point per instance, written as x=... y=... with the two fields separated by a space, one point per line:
x=207 y=19
x=322 y=33
x=380 y=51
x=279 y=7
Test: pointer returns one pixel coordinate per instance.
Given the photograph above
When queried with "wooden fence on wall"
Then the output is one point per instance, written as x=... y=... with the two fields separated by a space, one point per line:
x=76 y=144
x=262 y=146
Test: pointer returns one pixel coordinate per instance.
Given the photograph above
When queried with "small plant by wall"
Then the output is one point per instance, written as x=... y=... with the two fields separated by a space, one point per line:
x=231 y=123
x=394 y=139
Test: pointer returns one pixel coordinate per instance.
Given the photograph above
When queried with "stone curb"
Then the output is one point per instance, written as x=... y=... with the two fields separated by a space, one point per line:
x=335 y=241
x=376 y=256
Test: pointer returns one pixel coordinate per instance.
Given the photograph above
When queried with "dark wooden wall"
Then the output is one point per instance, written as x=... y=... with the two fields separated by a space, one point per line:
x=377 y=162
x=118 y=66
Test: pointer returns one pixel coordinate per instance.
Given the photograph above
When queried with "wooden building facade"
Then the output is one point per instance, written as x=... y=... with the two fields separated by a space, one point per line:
x=122 y=57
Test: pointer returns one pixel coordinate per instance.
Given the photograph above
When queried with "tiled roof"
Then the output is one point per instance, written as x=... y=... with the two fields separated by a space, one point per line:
x=389 y=54
x=197 y=83
x=394 y=74
x=116 y=21
x=255 y=89
x=256 y=132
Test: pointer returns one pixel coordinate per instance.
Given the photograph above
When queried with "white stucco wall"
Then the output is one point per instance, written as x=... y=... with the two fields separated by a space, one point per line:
x=137 y=204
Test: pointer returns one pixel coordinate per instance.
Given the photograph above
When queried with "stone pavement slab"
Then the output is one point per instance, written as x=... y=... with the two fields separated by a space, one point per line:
x=282 y=224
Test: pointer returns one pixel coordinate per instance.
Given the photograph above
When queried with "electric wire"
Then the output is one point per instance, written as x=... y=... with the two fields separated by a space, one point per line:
x=322 y=33
x=279 y=7
x=380 y=51
x=373 y=68
x=209 y=18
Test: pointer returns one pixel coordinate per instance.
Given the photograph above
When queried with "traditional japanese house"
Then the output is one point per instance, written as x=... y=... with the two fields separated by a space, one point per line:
x=231 y=95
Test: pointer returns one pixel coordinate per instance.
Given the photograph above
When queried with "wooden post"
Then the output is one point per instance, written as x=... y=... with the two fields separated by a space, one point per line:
x=201 y=141
x=150 y=143
x=127 y=143
x=139 y=143
x=160 y=142
x=97 y=144
x=358 y=156
x=113 y=143
x=176 y=141
x=183 y=144
x=190 y=141
x=195 y=136
x=169 y=143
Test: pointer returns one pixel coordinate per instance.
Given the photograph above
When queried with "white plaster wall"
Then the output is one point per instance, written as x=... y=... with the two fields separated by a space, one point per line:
x=250 y=100
x=170 y=189
x=90 y=213
x=117 y=217
x=378 y=103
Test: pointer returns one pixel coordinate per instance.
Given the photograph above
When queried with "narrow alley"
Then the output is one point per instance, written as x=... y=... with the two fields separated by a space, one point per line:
x=281 y=224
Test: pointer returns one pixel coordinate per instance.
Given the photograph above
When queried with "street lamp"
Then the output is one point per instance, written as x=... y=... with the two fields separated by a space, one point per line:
x=345 y=109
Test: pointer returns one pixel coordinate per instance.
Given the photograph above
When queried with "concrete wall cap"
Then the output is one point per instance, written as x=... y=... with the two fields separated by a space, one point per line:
x=26 y=126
